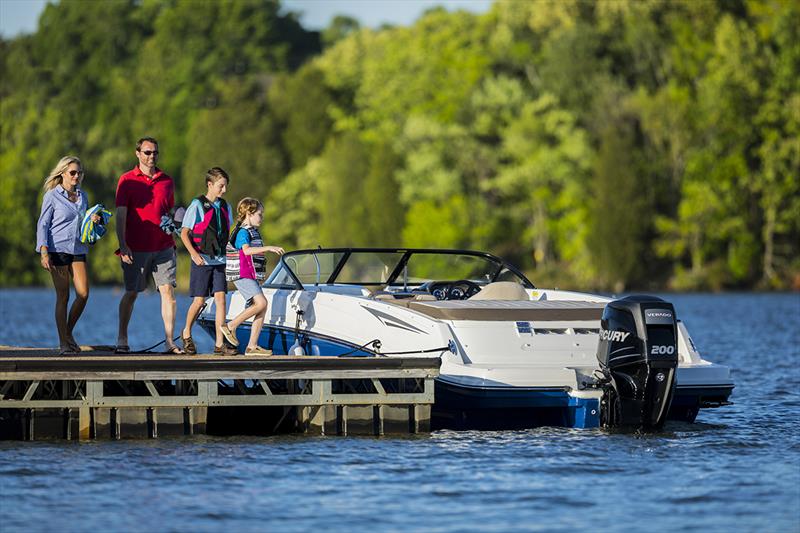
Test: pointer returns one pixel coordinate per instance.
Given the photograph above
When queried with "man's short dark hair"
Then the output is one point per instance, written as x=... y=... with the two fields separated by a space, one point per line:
x=145 y=140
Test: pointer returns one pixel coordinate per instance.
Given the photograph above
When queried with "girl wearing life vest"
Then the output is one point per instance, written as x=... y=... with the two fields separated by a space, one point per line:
x=246 y=267
x=204 y=233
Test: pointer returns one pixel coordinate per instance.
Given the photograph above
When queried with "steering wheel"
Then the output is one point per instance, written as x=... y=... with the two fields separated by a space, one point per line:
x=451 y=290
x=463 y=289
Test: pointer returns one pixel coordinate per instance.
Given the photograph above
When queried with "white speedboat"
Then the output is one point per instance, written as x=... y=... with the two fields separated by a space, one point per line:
x=512 y=355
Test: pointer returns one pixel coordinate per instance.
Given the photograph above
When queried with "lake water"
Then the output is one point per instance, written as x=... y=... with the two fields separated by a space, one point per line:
x=736 y=469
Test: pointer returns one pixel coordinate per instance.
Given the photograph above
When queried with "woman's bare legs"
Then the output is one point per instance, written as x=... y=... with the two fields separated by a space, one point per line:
x=80 y=281
x=60 y=275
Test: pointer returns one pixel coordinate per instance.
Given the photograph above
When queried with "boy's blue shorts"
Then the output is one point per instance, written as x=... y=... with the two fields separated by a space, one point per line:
x=205 y=280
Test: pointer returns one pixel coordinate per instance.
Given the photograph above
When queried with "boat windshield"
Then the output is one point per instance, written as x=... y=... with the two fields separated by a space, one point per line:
x=391 y=268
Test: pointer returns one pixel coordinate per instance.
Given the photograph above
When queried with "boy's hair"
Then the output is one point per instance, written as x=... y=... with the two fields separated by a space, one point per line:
x=247 y=206
x=214 y=174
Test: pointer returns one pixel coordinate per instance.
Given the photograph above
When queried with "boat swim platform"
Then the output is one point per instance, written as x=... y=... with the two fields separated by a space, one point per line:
x=97 y=394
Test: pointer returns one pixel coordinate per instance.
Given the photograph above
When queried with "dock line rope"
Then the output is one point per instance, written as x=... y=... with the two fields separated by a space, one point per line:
x=148 y=350
x=376 y=345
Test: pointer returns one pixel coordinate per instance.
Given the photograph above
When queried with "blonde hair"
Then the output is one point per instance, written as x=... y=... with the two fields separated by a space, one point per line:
x=247 y=206
x=56 y=176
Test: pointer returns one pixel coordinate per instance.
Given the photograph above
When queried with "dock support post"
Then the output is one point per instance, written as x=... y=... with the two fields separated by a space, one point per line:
x=377 y=420
x=194 y=420
x=341 y=420
x=84 y=423
x=419 y=418
x=313 y=419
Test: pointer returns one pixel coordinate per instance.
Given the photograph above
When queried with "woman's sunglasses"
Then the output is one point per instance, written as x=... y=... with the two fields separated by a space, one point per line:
x=74 y=173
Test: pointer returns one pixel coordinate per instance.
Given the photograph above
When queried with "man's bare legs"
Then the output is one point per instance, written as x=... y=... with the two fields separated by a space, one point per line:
x=168 y=308
x=125 y=312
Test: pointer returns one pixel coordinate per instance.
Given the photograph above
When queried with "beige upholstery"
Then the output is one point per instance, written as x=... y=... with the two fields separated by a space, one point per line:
x=424 y=298
x=509 y=311
x=383 y=296
x=502 y=290
x=404 y=302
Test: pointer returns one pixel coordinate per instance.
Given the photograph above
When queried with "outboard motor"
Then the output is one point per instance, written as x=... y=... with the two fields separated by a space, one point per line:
x=638 y=355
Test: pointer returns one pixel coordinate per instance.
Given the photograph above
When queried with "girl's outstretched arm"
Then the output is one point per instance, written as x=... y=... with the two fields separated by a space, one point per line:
x=250 y=250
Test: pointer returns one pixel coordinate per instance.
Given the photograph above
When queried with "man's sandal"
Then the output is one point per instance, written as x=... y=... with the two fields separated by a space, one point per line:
x=173 y=351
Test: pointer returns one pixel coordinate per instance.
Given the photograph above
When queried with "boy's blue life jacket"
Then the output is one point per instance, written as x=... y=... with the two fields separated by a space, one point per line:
x=92 y=232
x=210 y=235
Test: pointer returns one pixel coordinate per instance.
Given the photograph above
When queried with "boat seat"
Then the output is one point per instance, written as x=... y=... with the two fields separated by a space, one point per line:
x=502 y=290
x=382 y=296
x=404 y=302
x=504 y=310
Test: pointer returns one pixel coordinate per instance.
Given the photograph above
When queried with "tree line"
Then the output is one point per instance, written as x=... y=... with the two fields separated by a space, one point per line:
x=596 y=144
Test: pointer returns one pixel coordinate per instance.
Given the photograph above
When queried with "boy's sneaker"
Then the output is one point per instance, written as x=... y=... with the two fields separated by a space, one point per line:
x=258 y=350
x=229 y=335
x=225 y=349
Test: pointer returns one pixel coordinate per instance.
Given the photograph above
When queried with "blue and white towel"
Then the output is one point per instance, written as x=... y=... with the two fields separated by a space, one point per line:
x=91 y=232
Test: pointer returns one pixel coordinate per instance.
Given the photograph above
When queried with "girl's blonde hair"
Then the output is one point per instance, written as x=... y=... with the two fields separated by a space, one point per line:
x=247 y=206
x=56 y=176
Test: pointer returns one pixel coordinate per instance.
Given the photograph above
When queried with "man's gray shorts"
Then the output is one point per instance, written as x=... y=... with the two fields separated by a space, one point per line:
x=162 y=265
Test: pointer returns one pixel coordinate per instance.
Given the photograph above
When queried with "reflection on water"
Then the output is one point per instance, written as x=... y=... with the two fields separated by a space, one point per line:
x=737 y=469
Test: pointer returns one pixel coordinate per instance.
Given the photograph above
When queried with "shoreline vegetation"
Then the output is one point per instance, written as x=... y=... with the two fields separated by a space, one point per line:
x=598 y=145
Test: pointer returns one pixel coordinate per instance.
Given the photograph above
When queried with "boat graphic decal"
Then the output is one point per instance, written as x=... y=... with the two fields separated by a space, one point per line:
x=392 y=321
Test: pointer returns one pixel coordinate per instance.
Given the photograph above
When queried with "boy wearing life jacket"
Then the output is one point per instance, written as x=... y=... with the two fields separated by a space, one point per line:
x=204 y=232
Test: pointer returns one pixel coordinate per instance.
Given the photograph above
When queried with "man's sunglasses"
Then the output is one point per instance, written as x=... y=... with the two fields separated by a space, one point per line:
x=149 y=152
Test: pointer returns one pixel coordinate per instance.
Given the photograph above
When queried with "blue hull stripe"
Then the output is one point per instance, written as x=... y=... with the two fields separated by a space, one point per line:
x=280 y=340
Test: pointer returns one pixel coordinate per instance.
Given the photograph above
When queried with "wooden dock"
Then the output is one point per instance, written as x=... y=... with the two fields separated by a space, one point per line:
x=99 y=395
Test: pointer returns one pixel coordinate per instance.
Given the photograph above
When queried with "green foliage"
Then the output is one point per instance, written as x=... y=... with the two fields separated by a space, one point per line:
x=603 y=143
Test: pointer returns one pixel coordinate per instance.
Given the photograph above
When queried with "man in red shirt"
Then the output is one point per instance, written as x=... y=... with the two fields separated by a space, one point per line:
x=144 y=195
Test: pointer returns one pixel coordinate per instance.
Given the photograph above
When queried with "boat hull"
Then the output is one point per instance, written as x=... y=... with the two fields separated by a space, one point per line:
x=461 y=406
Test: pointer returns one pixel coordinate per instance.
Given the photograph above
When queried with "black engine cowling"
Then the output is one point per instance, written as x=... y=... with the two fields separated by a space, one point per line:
x=638 y=355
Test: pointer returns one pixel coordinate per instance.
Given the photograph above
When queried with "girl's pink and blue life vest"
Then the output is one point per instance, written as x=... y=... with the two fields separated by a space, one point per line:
x=238 y=265
x=210 y=235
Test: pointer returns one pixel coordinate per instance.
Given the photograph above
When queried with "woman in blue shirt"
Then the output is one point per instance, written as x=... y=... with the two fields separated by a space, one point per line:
x=58 y=243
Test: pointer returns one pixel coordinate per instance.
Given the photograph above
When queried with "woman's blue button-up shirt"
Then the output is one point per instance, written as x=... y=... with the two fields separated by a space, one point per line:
x=59 y=226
